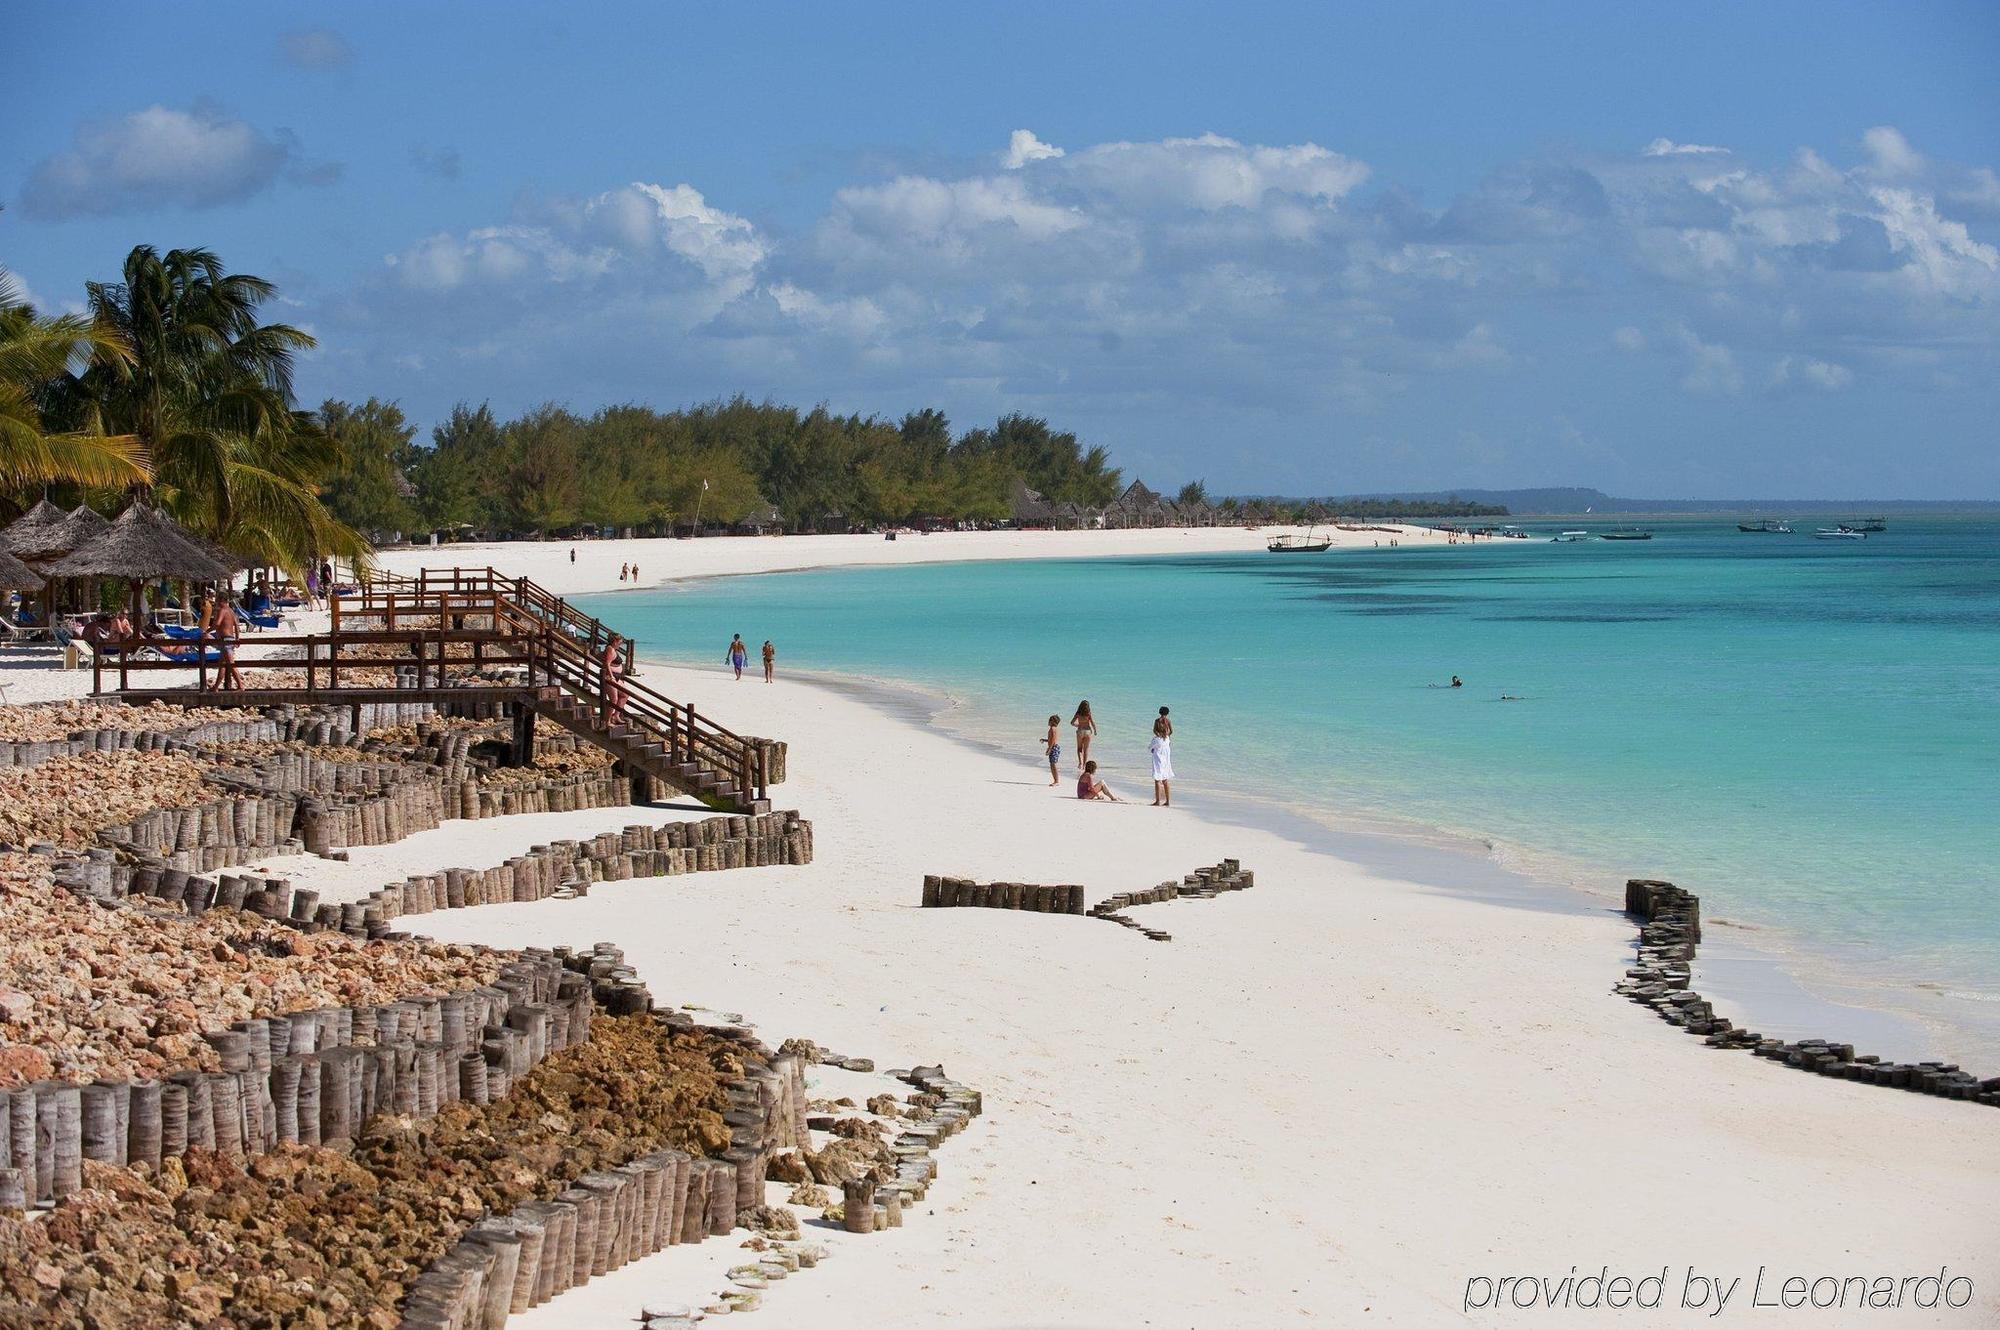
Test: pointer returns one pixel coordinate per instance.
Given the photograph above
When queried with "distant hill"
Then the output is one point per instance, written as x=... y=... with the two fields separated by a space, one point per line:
x=1573 y=499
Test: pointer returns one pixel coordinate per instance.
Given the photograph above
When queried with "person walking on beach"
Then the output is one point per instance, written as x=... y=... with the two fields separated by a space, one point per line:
x=737 y=656
x=572 y=554
x=770 y=659
x=621 y=572
x=1162 y=749
x=1086 y=727
x=1052 y=749
x=1088 y=786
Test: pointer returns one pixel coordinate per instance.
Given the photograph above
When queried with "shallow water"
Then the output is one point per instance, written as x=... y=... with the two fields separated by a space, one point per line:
x=1802 y=731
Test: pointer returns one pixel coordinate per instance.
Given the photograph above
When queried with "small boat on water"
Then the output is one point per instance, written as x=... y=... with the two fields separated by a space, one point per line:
x=1771 y=525
x=1510 y=533
x=1568 y=537
x=1866 y=524
x=1626 y=533
x=1839 y=533
x=1306 y=544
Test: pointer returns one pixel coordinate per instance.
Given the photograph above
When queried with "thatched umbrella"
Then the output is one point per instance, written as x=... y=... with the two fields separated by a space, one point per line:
x=17 y=576
x=142 y=544
x=81 y=525
x=27 y=535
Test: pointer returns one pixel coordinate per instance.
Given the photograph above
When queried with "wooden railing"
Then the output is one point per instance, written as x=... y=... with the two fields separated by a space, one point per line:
x=566 y=649
x=508 y=621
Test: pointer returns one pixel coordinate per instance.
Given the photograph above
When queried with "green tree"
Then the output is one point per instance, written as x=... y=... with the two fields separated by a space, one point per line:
x=37 y=354
x=371 y=489
x=205 y=388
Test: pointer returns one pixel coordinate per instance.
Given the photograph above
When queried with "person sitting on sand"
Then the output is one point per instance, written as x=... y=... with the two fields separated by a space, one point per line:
x=1052 y=749
x=737 y=656
x=770 y=659
x=1088 y=786
x=1086 y=727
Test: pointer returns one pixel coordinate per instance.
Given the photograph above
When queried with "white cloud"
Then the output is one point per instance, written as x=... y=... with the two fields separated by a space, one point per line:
x=1805 y=372
x=1163 y=280
x=315 y=48
x=197 y=158
x=1023 y=147
x=1211 y=172
x=1666 y=147
x=1711 y=367
x=1978 y=193
x=1890 y=153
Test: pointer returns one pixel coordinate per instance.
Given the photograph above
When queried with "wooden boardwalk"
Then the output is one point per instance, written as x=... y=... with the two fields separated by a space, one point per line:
x=532 y=654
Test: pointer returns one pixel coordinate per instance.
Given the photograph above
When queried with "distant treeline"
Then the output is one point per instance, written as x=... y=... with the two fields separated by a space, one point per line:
x=726 y=463
x=1401 y=510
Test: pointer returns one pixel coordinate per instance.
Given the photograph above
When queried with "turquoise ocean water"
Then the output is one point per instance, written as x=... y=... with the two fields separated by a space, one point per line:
x=1803 y=731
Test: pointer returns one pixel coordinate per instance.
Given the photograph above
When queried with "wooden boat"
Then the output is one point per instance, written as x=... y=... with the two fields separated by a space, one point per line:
x=1625 y=533
x=1306 y=544
x=1770 y=525
x=1866 y=524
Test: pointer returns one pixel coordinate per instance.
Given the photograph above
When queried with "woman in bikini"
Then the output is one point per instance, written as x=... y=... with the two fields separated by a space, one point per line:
x=1086 y=727
x=611 y=669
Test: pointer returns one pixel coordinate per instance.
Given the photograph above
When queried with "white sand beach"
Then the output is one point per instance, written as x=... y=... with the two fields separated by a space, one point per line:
x=1334 y=1098
x=1330 y=1100
x=664 y=560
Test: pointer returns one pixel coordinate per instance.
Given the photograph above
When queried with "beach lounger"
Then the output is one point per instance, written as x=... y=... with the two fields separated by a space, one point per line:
x=187 y=655
x=11 y=631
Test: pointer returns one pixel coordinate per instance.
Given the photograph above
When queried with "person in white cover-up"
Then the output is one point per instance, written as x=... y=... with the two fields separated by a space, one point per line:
x=1162 y=749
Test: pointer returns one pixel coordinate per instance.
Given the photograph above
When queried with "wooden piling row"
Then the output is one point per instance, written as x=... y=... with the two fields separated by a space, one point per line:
x=603 y=1222
x=1202 y=884
x=565 y=866
x=950 y=892
x=1670 y=919
x=310 y=1076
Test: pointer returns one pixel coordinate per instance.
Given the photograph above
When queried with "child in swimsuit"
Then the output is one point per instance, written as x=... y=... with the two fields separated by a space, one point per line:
x=1053 y=749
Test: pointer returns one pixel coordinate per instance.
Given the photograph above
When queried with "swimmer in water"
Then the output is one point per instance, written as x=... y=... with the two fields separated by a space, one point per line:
x=1457 y=682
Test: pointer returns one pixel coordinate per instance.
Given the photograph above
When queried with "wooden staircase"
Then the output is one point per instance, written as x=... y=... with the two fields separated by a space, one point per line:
x=645 y=730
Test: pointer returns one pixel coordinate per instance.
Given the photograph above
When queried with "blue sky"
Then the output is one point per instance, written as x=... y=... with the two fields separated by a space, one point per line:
x=1688 y=250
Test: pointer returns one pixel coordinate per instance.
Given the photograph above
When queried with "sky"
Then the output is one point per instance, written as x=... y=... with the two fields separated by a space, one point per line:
x=1671 y=251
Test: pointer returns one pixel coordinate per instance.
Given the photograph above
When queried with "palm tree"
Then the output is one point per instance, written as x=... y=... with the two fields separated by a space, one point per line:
x=207 y=390
x=36 y=354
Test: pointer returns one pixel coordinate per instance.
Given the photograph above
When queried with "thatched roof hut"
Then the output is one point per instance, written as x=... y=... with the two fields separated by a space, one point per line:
x=51 y=537
x=28 y=533
x=143 y=543
x=17 y=576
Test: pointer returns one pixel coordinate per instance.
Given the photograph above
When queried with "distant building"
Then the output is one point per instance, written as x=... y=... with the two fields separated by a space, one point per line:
x=1027 y=508
x=1139 y=506
x=763 y=520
